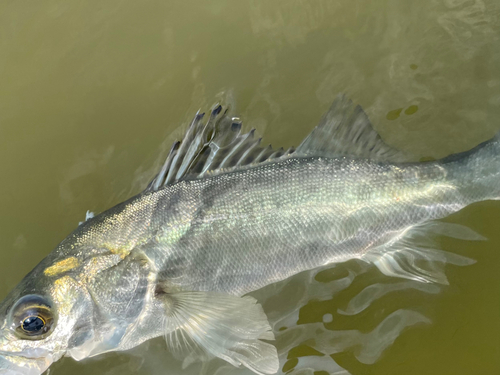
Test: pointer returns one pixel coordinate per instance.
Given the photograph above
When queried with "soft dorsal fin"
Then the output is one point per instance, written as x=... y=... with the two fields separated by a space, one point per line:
x=218 y=145
x=345 y=130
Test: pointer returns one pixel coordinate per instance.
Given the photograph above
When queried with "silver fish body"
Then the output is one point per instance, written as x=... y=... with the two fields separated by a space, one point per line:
x=176 y=259
x=237 y=232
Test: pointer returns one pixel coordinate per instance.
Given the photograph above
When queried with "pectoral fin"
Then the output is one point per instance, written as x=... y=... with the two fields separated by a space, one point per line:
x=204 y=325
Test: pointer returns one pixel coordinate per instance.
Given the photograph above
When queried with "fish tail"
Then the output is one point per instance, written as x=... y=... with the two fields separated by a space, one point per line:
x=476 y=172
x=413 y=254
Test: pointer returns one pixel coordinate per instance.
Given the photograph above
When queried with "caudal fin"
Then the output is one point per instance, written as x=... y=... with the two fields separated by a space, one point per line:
x=476 y=173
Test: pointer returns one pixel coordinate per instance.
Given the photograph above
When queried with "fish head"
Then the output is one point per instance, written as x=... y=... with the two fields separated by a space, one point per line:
x=40 y=320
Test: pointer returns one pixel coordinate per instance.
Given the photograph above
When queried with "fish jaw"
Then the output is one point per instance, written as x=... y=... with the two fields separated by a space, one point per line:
x=11 y=364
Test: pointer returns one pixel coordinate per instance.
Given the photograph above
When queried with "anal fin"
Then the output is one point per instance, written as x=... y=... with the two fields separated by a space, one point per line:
x=413 y=254
x=202 y=325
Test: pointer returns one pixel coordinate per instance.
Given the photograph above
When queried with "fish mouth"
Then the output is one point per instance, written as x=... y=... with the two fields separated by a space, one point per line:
x=20 y=365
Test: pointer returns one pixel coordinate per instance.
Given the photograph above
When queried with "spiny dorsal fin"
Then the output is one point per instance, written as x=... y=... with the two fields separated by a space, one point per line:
x=219 y=145
x=345 y=130
x=214 y=146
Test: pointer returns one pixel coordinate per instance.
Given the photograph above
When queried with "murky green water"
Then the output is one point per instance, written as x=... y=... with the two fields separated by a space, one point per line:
x=92 y=92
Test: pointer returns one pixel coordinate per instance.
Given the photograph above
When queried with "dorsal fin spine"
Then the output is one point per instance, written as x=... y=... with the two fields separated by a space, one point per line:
x=166 y=166
x=236 y=148
x=247 y=152
x=183 y=147
x=262 y=155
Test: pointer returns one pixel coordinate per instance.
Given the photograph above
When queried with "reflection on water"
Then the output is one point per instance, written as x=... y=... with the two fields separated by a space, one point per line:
x=378 y=290
x=284 y=303
x=305 y=347
x=89 y=90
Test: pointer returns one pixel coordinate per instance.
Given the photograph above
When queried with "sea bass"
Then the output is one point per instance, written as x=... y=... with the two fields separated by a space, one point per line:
x=225 y=216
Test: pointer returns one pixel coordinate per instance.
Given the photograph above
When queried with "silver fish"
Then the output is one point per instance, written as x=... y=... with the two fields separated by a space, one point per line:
x=226 y=216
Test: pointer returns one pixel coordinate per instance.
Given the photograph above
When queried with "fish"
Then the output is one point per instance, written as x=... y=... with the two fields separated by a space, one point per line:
x=225 y=216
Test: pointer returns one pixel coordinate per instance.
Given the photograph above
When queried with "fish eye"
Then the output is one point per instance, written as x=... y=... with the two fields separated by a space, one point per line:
x=32 y=317
x=33 y=324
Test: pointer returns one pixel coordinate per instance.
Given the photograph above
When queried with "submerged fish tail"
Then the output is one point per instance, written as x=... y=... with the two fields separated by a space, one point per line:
x=468 y=177
x=476 y=172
